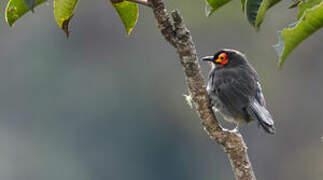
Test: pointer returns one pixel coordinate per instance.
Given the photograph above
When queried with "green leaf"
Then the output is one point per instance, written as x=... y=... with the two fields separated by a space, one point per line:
x=243 y=5
x=273 y=2
x=295 y=4
x=294 y=34
x=17 y=8
x=30 y=4
x=213 y=5
x=302 y=6
x=63 y=12
x=256 y=10
x=128 y=12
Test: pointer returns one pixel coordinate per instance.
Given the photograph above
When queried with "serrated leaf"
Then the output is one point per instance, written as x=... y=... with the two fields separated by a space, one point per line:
x=128 y=12
x=63 y=12
x=16 y=9
x=30 y=4
x=213 y=5
x=302 y=6
x=292 y=36
x=256 y=10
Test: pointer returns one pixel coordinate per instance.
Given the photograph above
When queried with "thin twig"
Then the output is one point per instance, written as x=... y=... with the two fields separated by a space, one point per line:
x=179 y=37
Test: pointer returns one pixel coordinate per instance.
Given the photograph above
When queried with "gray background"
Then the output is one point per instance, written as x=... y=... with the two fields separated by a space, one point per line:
x=103 y=106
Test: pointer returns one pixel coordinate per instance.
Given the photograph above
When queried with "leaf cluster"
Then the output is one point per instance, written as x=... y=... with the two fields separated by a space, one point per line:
x=64 y=10
x=309 y=18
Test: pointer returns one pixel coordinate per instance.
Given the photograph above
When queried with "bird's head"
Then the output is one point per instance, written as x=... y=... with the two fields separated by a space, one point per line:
x=226 y=58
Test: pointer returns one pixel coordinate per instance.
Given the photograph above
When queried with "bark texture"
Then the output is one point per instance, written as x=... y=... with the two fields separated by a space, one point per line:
x=176 y=33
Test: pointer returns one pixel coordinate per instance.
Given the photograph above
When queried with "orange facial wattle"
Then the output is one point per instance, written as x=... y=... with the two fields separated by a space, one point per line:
x=222 y=59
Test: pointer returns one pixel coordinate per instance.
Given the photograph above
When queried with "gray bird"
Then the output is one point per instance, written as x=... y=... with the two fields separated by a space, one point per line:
x=235 y=90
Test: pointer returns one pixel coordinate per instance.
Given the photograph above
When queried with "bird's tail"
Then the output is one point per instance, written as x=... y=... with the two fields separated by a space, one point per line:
x=261 y=114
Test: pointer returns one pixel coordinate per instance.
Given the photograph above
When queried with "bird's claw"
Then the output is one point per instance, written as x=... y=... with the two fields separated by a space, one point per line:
x=235 y=130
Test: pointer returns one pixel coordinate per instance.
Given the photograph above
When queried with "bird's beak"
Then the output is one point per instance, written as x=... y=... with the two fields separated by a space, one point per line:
x=207 y=58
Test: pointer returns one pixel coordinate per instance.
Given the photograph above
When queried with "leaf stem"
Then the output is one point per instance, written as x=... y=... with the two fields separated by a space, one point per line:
x=142 y=2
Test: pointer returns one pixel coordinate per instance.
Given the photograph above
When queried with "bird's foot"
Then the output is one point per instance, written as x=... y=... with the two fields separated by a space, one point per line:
x=235 y=130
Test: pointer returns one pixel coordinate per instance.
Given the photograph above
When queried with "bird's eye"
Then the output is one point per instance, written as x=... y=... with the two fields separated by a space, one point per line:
x=221 y=57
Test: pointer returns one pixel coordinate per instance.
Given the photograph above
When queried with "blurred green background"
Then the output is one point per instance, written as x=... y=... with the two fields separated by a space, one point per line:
x=105 y=106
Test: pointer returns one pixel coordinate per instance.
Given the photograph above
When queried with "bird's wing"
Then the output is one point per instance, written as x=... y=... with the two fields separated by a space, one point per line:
x=258 y=111
x=235 y=92
x=259 y=95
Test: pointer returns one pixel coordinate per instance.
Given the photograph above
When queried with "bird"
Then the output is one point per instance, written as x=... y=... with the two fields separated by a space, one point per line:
x=235 y=91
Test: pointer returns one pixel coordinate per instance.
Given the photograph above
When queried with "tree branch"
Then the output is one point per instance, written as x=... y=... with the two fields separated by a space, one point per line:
x=179 y=37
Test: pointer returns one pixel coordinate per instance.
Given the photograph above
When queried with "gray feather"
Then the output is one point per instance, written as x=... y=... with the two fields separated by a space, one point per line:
x=261 y=114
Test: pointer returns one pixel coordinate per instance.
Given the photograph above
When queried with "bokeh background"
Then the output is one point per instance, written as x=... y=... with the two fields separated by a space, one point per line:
x=105 y=106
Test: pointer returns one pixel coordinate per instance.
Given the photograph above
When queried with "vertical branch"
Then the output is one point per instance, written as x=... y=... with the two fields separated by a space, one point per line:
x=176 y=33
